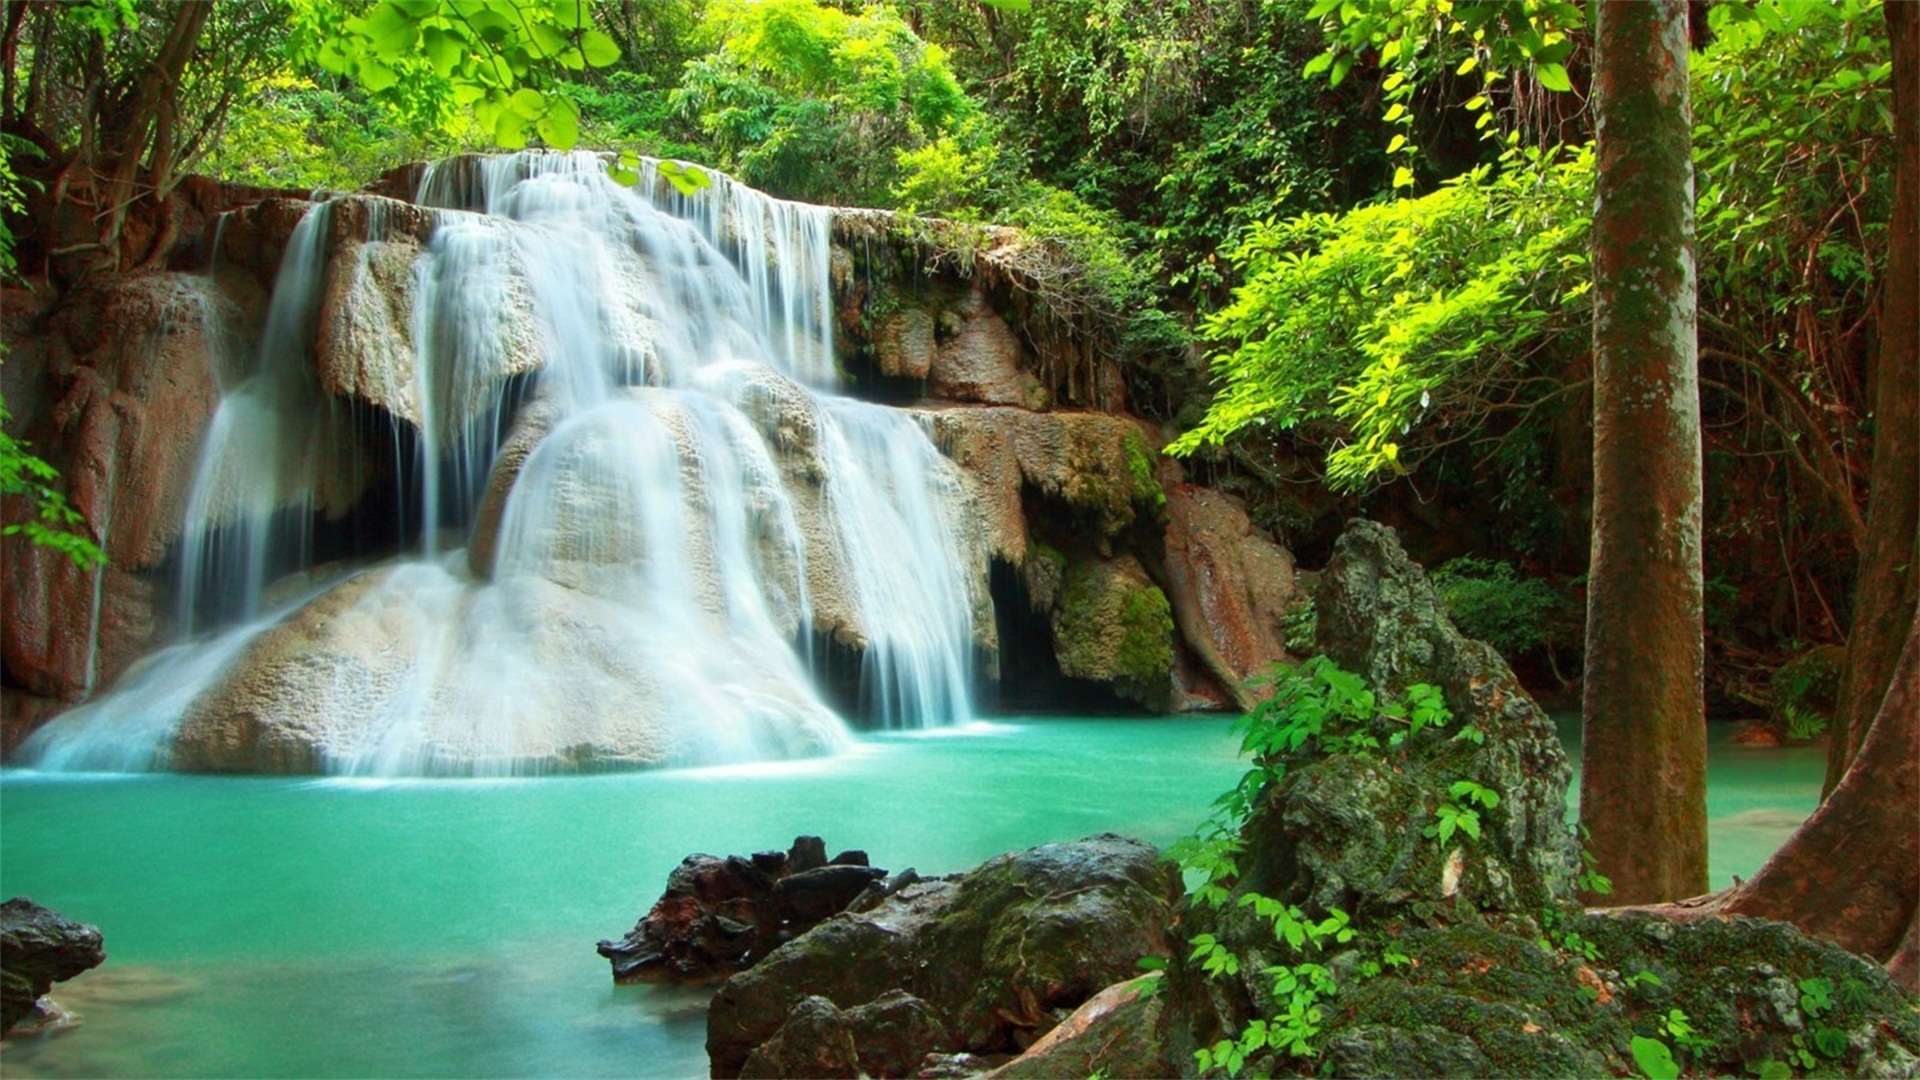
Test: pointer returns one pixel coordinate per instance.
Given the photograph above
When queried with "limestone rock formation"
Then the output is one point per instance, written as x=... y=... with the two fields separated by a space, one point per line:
x=719 y=916
x=115 y=392
x=982 y=361
x=1230 y=586
x=39 y=947
x=980 y=963
x=1112 y=624
x=1096 y=466
x=541 y=678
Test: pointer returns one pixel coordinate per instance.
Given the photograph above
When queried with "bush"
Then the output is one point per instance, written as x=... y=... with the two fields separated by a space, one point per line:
x=1491 y=601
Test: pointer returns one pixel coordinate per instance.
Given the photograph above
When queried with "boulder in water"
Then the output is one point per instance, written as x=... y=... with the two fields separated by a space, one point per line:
x=982 y=963
x=1112 y=624
x=39 y=947
x=719 y=916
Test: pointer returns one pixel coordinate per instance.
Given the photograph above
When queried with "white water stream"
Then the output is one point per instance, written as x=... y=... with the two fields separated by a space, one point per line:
x=678 y=512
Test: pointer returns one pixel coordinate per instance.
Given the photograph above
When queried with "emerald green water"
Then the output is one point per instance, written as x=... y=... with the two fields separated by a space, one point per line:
x=263 y=927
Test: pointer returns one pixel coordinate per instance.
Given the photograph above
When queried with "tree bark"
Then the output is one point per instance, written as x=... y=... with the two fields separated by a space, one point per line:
x=1888 y=581
x=1643 y=785
x=1851 y=873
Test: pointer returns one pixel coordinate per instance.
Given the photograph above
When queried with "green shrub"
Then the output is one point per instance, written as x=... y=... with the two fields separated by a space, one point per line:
x=1804 y=691
x=1492 y=602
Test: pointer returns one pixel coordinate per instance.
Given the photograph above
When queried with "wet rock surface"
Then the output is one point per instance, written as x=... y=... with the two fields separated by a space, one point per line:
x=721 y=915
x=1347 y=830
x=981 y=963
x=39 y=947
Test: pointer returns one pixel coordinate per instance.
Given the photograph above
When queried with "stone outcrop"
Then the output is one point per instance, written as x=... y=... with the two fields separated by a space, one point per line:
x=570 y=683
x=719 y=916
x=1380 y=617
x=1111 y=624
x=39 y=947
x=115 y=391
x=1229 y=585
x=1097 y=467
x=980 y=963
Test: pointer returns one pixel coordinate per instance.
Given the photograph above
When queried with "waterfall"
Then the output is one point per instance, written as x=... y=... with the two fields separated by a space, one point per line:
x=633 y=565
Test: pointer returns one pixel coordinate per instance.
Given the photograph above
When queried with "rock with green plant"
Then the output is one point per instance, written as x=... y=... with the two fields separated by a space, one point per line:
x=1389 y=892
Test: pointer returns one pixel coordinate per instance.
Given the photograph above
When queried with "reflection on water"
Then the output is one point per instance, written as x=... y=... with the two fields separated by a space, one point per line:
x=275 y=927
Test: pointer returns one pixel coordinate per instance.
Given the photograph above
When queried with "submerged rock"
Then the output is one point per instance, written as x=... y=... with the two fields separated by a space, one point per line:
x=39 y=947
x=981 y=963
x=719 y=916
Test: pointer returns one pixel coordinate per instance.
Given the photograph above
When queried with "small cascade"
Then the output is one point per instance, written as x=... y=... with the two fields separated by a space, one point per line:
x=253 y=493
x=628 y=567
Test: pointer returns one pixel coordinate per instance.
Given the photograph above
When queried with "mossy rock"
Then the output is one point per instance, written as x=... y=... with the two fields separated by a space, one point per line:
x=1114 y=625
x=1744 y=984
x=991 y=959
x=1509 y=1000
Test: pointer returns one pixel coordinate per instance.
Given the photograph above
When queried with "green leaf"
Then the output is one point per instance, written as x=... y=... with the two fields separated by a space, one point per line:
x=444 y=49
x=1553 y=77
x=390 y=31
x=1555 y=53
x=1654 y=1058
x=559 y=126
x=598 y=49
x=1402 y=177
x=528 y=103
x=1340 y=69
x=1018 y=7
x=1467 y=65
x=376 y=76
x=1775 y=1069
x=510 y=130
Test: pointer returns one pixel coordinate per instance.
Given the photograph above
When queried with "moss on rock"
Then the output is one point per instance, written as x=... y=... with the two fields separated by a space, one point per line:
x=1113 y=624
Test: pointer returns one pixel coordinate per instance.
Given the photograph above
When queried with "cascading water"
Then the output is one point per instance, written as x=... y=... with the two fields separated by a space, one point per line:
x=634 y=573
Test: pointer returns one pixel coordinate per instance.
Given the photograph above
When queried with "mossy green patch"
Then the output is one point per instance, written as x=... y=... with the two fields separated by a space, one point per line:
x=1112 y=624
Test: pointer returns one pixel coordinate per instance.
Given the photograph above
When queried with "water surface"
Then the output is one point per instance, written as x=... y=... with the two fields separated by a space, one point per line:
x=296 y=927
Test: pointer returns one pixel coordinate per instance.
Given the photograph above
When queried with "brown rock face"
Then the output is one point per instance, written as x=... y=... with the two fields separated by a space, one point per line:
x=1230 y=586
x=1097 y=465
x=128 y=372
x=984 y=362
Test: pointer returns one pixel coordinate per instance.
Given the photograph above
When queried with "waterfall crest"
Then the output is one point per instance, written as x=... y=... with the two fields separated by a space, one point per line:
x=636 y=504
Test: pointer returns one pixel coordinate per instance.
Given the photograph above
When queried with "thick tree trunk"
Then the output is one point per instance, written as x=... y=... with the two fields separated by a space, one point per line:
x=1643 y=785
x=1888 y=581
x=1851 y=874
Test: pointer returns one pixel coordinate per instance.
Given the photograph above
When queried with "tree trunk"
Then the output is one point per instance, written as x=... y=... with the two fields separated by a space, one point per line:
x=143 y=129
x=1888 y=581
x=1851 y=874
x=1643 y=784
